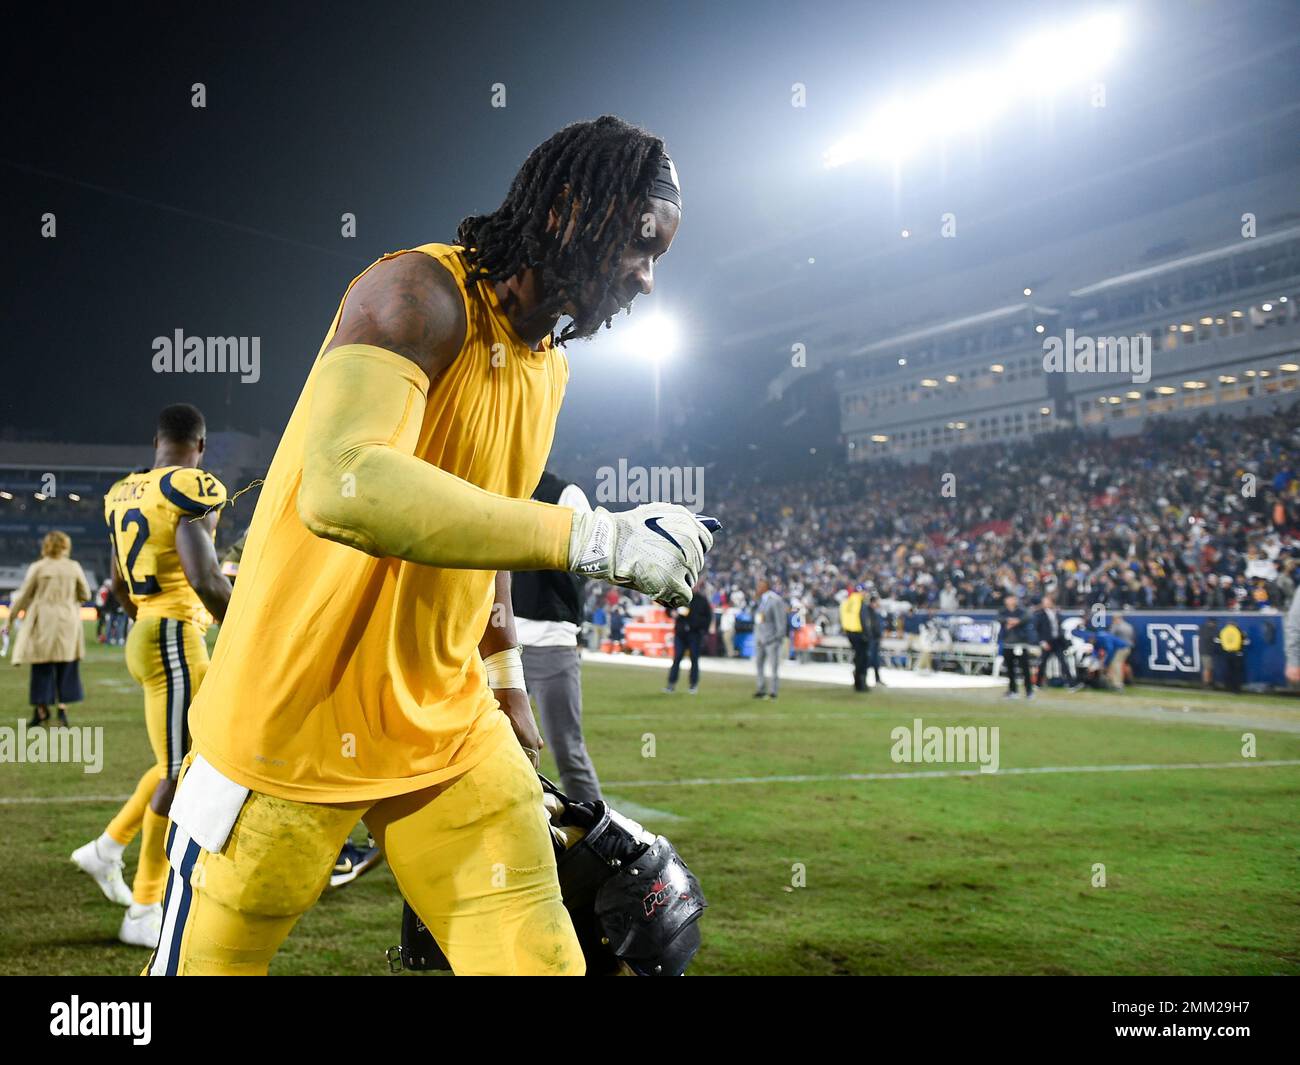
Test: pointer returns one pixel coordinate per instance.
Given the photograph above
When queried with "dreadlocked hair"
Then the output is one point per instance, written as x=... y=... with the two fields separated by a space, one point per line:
x=581 y=172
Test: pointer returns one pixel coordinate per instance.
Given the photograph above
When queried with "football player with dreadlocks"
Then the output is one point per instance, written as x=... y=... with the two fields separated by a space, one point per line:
x=368 y=666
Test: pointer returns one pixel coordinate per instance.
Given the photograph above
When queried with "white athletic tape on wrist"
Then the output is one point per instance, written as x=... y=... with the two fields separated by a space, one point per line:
x=505 y=669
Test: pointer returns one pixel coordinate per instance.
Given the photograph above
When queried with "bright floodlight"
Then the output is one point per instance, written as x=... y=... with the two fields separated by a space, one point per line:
x=967 y=103
x=892 y=132
x=896 y=130
x=1042 y=65
x=847 y=150
x=653 y=337
x=1051 y=61
x=1100 y=37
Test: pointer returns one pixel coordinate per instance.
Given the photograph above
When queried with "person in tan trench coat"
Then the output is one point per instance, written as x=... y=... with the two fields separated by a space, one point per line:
x=51 y=639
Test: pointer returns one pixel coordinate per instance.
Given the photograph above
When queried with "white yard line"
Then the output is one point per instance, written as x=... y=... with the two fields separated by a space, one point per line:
x=1154 y=715
x=932 y=774
x=920 y=774
x=57 y=800
x=637 y=812
x=690 y=715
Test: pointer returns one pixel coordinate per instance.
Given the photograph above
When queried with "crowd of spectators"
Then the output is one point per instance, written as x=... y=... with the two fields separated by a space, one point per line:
x=1197 y=514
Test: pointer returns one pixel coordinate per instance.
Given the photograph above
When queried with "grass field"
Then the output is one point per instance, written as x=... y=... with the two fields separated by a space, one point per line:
x=955 y=874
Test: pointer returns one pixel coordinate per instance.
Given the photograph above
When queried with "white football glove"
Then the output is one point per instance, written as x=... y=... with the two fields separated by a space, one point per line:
x=657 y=548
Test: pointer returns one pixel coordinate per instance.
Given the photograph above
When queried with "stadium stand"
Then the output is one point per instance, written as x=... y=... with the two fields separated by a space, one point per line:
x=47 y=485
x=1159 y=522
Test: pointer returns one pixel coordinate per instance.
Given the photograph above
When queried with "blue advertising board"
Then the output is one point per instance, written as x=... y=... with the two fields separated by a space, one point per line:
x=1169 y=642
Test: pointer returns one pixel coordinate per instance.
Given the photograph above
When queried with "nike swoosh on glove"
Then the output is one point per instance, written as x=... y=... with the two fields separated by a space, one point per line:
x=657 y=548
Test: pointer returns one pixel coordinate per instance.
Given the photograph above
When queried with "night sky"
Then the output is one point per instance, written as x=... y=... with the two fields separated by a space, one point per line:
x=226 y=221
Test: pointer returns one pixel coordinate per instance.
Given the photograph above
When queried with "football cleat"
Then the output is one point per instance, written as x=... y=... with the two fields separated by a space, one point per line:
x=106 y=873
x=352 y=862
x=141 y=925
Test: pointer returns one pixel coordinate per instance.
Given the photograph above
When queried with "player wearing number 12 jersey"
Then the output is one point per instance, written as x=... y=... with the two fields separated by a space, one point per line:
x=161 y=524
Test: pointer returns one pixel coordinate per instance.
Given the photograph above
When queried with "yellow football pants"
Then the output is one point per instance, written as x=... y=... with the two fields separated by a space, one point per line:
x=168 y=659
x=126 y=823
x=472 y=856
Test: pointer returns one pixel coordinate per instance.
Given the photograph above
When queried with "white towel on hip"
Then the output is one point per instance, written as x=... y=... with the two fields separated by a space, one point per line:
x=207 y=804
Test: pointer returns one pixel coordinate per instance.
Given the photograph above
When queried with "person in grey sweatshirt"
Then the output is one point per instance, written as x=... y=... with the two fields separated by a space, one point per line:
x=770 y=613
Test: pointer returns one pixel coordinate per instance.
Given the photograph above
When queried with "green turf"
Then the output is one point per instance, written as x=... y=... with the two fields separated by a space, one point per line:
x=984 y=874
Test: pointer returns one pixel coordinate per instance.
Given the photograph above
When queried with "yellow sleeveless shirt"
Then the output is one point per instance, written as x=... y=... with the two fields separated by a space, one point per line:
x=339 y=677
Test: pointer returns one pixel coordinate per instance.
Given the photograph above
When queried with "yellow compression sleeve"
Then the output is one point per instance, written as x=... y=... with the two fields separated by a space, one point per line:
x=363 y=486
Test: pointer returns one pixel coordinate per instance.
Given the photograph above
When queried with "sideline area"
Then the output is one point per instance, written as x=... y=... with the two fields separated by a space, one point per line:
x=839 y=674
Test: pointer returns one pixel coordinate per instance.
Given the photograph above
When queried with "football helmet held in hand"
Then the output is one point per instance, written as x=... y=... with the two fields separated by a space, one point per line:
x=634 y=904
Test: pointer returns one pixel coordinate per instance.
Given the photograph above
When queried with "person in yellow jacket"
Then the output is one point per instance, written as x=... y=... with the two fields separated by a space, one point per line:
x=851 y=624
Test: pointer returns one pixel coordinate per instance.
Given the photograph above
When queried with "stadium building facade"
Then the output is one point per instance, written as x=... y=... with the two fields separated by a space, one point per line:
x=54 y=485
x=1219 y=324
